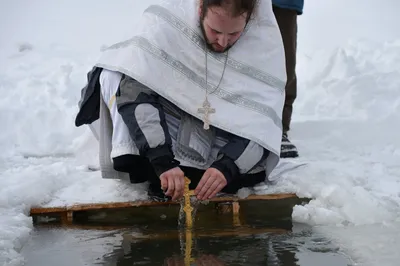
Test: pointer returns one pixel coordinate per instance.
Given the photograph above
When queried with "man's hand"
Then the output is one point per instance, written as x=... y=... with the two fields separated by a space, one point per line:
x=173 y=181
x=212 y=182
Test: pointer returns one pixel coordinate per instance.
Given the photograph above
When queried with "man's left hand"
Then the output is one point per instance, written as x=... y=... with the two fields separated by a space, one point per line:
x=212 y=182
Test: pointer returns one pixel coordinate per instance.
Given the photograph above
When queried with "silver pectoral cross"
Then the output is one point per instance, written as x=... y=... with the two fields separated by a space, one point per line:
x=206 y=110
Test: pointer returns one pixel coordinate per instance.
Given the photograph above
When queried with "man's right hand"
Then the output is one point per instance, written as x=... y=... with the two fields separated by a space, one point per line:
x=173 y=181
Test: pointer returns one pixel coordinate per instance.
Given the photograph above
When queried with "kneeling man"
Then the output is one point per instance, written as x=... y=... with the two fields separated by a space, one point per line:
x=198 y=91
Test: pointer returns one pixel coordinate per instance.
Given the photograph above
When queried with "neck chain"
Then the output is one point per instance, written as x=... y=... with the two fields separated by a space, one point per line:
x=222 y=75
x=206 y=109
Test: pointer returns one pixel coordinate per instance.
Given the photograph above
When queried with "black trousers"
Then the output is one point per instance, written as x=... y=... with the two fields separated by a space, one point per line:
x=287 y=22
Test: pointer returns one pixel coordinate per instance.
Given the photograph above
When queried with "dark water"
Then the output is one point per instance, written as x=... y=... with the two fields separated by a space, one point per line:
x=254 y=239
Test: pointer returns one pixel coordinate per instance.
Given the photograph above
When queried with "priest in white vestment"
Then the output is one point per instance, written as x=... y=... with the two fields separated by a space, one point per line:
x=198 y=91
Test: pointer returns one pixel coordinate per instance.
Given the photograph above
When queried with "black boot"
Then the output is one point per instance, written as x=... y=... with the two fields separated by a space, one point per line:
x=288 y=150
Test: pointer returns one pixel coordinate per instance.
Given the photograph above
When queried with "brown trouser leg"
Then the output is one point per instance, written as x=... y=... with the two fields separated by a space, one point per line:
x=287 y=21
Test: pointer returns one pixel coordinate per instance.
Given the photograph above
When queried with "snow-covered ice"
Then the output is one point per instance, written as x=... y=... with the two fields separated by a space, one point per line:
x=345 y=124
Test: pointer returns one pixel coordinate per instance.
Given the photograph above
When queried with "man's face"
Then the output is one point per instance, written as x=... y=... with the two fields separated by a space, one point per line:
x=220 y=29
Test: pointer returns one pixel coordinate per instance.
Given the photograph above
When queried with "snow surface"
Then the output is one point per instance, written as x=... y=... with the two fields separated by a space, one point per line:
x=346 y=120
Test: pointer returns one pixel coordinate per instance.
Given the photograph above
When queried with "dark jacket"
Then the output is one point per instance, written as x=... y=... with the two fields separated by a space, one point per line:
x=132 y=94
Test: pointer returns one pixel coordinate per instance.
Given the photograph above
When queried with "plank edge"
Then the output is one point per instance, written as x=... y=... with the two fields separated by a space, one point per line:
x=37 y=210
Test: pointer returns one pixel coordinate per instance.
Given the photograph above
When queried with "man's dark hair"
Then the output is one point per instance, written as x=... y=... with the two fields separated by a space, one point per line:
x=237 y=7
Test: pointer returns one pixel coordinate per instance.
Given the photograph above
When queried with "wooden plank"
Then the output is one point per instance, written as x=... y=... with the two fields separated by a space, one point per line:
x=96 y=206
x=43 y=210
x=255 y=197
x=235 y=208
x=116 y=205
x=80 y=213
x=236 y=215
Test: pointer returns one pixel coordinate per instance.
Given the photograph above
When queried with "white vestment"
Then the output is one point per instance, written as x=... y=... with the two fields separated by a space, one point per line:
x=167 y=54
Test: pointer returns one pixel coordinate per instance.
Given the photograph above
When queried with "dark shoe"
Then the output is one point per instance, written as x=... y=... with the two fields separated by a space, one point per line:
x=288 y=150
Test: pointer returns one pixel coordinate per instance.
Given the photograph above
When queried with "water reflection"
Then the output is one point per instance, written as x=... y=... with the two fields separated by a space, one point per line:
x=268 y=248
x=133 y=246
x=202 y=260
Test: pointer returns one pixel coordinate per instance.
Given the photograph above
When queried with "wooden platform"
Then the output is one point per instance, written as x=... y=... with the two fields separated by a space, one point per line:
x=68 y=215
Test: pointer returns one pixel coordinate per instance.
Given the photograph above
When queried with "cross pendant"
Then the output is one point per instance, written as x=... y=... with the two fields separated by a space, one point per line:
x=206 y=110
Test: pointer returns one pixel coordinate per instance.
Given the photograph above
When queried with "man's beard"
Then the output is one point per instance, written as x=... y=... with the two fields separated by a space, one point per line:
x=209 y=45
